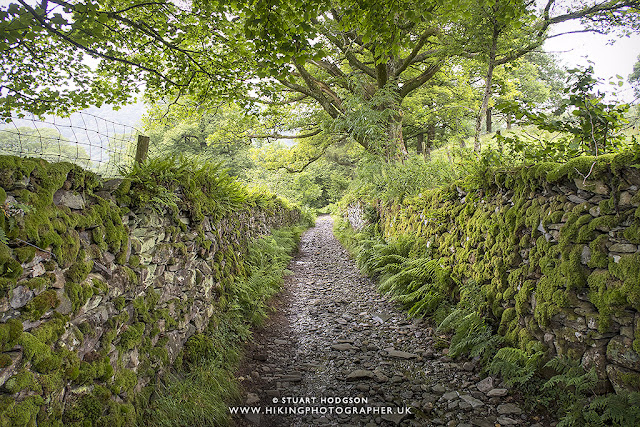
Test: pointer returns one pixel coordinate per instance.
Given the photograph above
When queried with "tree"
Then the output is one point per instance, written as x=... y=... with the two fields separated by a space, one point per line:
x=634 y=77
x=352 y=62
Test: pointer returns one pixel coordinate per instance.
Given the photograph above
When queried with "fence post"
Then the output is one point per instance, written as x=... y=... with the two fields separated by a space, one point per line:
x=142 y=149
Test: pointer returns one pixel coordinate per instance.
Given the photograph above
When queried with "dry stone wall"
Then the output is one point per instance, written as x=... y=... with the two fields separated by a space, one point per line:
x=107 y=300
x=555 y=250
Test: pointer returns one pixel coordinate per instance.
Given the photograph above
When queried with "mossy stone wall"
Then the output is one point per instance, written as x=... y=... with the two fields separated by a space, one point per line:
x=107 y=300
x=557 y=256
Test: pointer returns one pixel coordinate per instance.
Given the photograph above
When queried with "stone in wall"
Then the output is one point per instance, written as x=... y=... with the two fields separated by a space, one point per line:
x=574 y=241
x=112 y=294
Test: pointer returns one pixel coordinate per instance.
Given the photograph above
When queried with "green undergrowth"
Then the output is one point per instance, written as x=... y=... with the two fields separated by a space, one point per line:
x=199 y=188
x=202 y=385
x=405 y=269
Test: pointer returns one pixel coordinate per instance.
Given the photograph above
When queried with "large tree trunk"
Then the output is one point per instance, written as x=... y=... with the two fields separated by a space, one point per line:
x=508 y=121
x=487 y=87
x=395 y=140
x=489 y=120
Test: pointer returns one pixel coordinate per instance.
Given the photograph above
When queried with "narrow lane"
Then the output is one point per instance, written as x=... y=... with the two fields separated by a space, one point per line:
x=336 y=352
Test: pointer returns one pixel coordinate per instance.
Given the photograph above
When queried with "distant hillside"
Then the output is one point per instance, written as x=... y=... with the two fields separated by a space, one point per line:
x=129 y=115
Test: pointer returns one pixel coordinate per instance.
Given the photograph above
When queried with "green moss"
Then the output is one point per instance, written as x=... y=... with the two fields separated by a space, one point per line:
x=99 y=286
x=132 y=277
x=131 y=336
x=42 y=303
x=572 y=269
x=10 y=333
x=599 y=253
x=119 y=303
x=23 y=380
x=606 y=294
x=49 y=332
x=23 y=413
x=100 y=370
x=97 y=236
x=199 y=347
x=79 y=271
x=6 y=286
x=632 y=233
x=523 y=296
x=134 y=261
x=25 y=254
x=78 y=294
x=5 y=360
x=9 y=267
x=37 y=283
x=627 y=270
x=124 y=381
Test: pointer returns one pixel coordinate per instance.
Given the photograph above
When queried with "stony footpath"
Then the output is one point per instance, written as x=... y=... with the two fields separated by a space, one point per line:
x=336 y=352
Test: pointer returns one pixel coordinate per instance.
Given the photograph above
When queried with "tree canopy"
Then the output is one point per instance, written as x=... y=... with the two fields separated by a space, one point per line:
x=348 y=65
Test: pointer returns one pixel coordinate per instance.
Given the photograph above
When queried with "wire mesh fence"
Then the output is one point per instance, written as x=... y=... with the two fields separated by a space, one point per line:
x=100 y=145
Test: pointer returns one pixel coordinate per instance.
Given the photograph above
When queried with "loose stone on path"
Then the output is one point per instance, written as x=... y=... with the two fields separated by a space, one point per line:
x=337 y=353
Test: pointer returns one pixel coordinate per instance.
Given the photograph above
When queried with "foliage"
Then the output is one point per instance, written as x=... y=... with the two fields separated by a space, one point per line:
x=515 y=365
x=581 y=406
x=590 y=127
x=335 y=59
x=199 y=393
x=205 y=188
x=471 y=334
x=634 y=78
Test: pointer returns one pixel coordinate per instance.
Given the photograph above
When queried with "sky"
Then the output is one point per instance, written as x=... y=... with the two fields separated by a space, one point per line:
x=611 y=55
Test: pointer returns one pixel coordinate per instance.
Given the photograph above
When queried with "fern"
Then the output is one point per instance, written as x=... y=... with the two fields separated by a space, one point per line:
x=515 y=365
x=621 y=409
x=572 y=375
x=471 y=334
x=3 y=237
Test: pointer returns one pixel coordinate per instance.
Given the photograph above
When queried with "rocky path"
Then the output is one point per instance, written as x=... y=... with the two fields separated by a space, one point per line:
x=336 y=352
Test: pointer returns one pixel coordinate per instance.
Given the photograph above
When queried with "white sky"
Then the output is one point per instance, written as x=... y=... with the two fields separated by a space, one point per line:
x=609 y=59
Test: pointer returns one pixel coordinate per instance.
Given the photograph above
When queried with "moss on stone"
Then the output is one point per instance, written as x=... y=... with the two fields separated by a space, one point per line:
x=199 y=347
x=134 y=261
x=131 y=336
x=78 y=294
x=22 y=381
x=49 y=331
x=632 y=233
x=124 y=381
x=10 y=333
x=42 y=303
x=79 y=271
x=5 y=360
x=119 y=302
x=627 y=270
x=6 y=286
x=9 y=267
x=89 y=372
x=25 y=254
x=37 y=283
x=99 y=286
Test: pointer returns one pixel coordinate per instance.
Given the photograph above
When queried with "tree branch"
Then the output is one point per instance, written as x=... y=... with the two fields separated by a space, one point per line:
x=416 y=50
x=280 y=136
x=87 y=49
x=418 y=81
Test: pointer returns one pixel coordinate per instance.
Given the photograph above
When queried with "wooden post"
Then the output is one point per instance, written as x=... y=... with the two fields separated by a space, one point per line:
x=142 y=149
